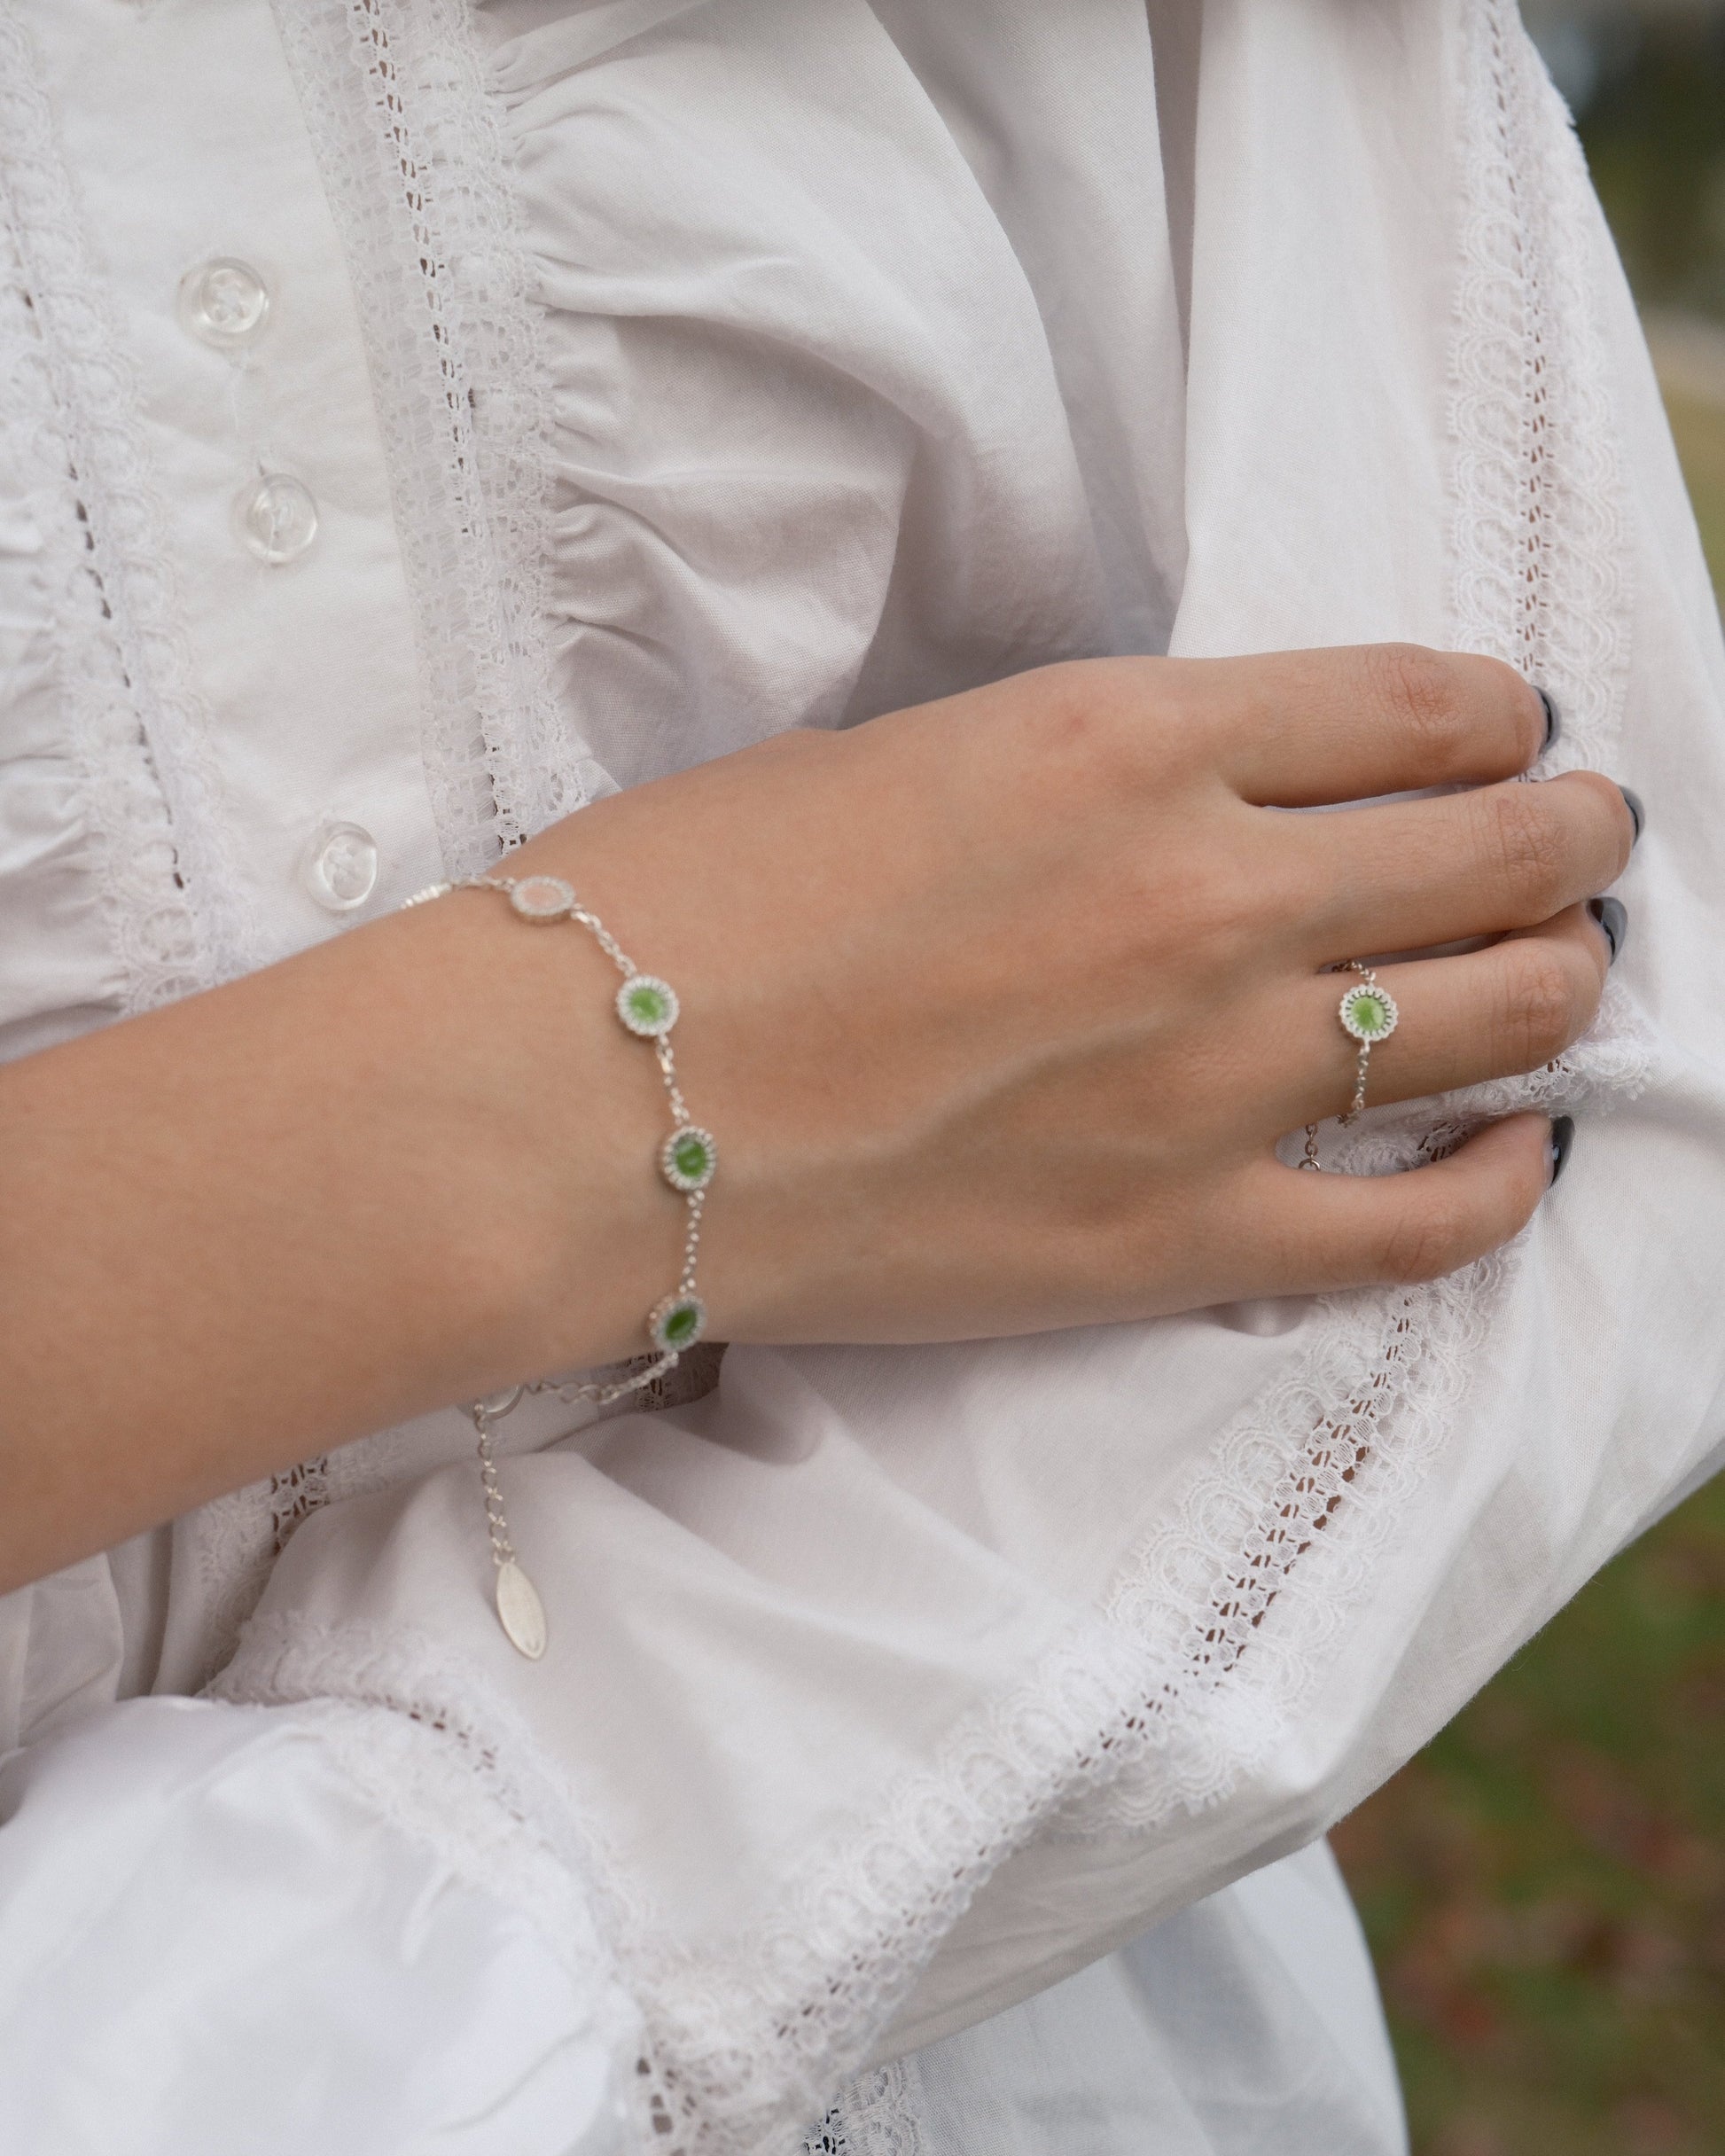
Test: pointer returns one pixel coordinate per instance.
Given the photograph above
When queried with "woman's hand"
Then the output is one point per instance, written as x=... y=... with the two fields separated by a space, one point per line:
x=1000 y=1005
x=997 y=1008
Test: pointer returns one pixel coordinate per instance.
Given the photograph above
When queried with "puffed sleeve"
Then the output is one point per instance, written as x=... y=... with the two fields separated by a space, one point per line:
x=228 y=1926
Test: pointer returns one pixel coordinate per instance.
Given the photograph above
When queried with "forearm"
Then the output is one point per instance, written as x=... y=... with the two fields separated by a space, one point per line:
x=394 y=1172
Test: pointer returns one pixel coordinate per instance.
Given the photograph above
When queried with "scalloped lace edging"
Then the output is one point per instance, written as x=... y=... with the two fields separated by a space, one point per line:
x=138 y=730
x=745 y=2044
x=413 y=162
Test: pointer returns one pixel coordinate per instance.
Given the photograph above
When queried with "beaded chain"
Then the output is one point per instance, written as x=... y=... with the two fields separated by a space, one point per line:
x=646 y=1007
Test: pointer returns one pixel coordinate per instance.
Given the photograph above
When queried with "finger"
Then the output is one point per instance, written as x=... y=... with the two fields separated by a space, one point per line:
x=1407 y=875
x=1299 y=729
x=1320 y=1233
x=1491 y=1013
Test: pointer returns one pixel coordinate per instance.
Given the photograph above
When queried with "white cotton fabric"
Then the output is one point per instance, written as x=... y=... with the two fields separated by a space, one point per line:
x=212 y=1938
x=1248 y=2022
x=669 y=373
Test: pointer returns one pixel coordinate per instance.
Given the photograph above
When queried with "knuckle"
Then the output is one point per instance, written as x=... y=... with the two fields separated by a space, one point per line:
x=1422 y=690
x=1547 y=1007
x=1090 y=722
x=1527 y=845
x=1426 y=1241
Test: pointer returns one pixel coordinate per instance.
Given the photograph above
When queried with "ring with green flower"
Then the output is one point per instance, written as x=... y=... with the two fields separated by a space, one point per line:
x=1368 y=1012
x=1369 y=1015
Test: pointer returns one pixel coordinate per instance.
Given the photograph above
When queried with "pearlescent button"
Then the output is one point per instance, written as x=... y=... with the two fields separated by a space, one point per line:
x=224 y=303
x=341 y=866
x=276 y=519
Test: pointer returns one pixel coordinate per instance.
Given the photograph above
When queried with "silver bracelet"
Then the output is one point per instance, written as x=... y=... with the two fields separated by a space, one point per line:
x=647 y=1007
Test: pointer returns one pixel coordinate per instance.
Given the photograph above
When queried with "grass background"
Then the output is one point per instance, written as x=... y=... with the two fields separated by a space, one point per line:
x=1699 y=429
x=1544 y=1886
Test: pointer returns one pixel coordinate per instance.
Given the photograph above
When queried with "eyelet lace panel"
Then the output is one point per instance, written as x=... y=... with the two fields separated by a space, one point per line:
x=1220 y=1625
x=1538 y=560
x=137 y=729
x=413 y=163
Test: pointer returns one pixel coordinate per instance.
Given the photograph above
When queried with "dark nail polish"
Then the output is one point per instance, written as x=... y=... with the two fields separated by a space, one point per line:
x=1563 y=1136
x=1613 y=916
x=1635 y=810
x=1553 y=723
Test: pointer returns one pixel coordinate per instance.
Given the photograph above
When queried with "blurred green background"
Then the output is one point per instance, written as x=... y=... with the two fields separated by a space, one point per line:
x=1544 y=1887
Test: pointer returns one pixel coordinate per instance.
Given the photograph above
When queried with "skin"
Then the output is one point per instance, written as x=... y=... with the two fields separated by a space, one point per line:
x=998 y=1007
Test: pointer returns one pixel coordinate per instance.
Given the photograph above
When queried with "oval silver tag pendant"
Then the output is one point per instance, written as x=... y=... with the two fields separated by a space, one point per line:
x=520 y=1611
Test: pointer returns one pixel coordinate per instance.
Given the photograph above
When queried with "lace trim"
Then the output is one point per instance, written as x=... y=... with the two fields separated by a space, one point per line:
x=413 y=163
x=1222 y=1624
x=467 y=1775
x=742 y=2046
x=138 y=730
x=397 y=1759
x=237 y=1538
x=874 y=2116
x=1538 y=573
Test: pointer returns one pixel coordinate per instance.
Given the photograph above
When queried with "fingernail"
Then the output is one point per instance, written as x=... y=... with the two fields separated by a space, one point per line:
x=1563 y=1136
x=1553 y=723
x=1635 y=810
x=1613 y=916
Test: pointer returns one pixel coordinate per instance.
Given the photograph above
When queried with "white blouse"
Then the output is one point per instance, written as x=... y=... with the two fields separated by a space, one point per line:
x=422 y=419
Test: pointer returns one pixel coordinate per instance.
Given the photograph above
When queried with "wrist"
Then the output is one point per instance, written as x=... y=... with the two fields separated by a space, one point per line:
x=576 y=1225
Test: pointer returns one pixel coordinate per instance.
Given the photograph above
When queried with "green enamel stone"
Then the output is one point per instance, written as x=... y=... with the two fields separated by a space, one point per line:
x=1368 y=1012
x=678 y=1322
x=688 y=1158
x=646 y=1005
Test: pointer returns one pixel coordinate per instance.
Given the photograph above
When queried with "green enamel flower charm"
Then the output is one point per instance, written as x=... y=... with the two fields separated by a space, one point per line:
x=647 y=1006
x=677 y=1323
x=1368 y=1012
x=688 y=1158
